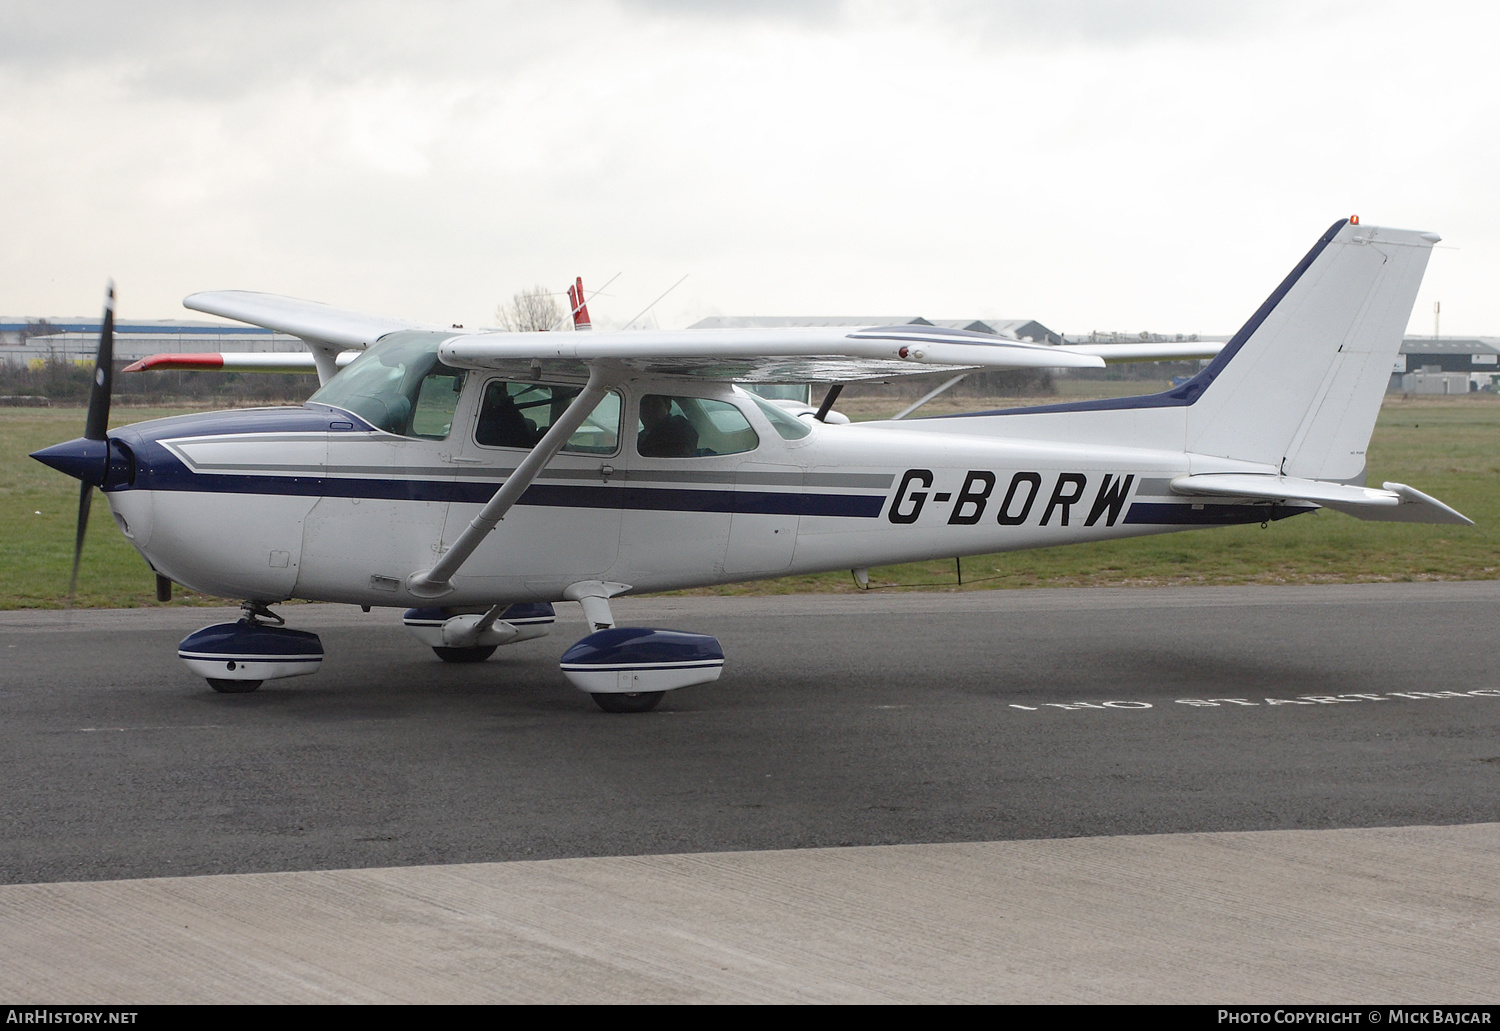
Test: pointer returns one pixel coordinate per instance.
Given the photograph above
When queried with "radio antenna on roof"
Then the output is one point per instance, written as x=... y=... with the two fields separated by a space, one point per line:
x=654 y=303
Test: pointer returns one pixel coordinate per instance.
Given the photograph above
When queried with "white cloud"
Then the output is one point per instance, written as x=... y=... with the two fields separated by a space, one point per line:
x=1090 y=164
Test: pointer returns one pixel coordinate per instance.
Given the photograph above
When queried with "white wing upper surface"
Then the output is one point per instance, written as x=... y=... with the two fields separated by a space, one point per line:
x=310 y=320
x=814 y=354
x=1155 y=351
x=794 y=355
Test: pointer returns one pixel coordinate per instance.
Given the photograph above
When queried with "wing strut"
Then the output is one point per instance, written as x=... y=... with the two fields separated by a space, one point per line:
x=955 y=381
x=434 y=582
x=828 y=400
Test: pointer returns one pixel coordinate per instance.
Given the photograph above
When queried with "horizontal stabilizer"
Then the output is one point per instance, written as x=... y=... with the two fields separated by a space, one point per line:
x=1395 y=503
x=235 y=361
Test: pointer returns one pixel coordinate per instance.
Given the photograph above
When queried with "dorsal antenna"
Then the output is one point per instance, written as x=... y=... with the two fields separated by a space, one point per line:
x=654 y=303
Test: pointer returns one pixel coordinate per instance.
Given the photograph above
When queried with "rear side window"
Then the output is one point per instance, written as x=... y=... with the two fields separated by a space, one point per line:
x=691 y=427
x=517 y=414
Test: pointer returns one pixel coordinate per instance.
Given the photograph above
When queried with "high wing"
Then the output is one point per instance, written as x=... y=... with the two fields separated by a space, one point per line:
x=327 y=331
x=792 y=355
x=261 y=361
x=310 y=320
x=1156 y=351
x=236 y=361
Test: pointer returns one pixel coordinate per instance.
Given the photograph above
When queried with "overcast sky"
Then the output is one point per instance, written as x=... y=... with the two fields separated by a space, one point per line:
x=1152 y=165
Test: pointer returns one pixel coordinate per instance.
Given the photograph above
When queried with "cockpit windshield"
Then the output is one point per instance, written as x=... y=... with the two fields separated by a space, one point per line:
x=399 y=386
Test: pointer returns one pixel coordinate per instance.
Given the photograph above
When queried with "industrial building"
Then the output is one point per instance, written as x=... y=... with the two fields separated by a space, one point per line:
x=30 y=341
x=1447 y=365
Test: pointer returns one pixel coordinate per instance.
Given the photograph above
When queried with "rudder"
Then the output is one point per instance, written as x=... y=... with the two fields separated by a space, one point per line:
x=1299 y=386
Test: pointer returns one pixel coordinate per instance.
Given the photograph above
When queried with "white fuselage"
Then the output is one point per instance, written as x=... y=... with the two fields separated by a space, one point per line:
x=270 y=506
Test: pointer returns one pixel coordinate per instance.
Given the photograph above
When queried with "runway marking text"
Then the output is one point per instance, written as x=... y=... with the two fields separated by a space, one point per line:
x=1306 y=699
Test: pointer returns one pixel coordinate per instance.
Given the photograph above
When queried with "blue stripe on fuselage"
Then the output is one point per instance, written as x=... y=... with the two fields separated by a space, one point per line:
x=1169 y=514
x=857 y=506
x=160 y=470
x=157 y=468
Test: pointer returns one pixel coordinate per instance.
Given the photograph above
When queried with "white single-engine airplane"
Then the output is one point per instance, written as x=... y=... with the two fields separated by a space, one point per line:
x=476 y=478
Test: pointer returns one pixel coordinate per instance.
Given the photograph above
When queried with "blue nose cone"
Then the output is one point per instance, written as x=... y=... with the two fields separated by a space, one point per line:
x=82 y=459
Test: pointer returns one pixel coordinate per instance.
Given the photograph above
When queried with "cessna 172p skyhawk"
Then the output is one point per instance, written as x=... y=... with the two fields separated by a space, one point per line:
x=476 y=478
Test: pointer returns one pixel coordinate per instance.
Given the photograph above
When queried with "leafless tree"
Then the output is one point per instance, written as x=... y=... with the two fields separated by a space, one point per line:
x=530 y=311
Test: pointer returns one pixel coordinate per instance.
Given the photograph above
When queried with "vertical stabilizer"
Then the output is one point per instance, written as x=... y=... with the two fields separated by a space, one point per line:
x=1299 y=386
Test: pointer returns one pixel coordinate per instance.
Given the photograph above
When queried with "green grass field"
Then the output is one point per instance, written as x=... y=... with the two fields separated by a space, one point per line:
x=1446 y=447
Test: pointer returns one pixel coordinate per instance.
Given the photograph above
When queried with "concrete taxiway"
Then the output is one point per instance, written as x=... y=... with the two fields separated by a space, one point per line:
x=1214 y=794
x=1389 y=915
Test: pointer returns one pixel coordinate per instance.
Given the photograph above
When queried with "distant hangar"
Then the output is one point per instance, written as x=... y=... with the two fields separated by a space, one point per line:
x=1425 y=364
x=1447 y=365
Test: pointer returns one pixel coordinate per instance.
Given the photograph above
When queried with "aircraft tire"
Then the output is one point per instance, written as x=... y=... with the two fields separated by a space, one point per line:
x=640 y=701
x=478 y=654
x=233 y=686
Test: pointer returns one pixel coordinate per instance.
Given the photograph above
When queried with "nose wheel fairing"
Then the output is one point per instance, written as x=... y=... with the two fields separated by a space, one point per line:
x=241 y=655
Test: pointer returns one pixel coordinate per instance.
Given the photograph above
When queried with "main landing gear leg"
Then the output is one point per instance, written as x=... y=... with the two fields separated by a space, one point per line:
x=472 y=652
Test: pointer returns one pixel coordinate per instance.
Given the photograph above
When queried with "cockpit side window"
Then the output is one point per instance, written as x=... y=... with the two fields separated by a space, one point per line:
x=691 y=427
x=437 y=400
x=518 y=413
x=399 y=386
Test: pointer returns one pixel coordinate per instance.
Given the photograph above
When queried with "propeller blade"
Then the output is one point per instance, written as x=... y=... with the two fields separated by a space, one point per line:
x=85 y=498
x=97 y=425
x=104 y=363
